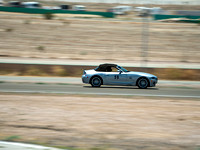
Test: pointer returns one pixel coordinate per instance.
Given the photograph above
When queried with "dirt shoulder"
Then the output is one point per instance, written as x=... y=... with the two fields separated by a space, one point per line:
x=119 y=123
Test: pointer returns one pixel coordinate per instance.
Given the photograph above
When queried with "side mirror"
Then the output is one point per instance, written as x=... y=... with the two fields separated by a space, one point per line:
x=119 y=71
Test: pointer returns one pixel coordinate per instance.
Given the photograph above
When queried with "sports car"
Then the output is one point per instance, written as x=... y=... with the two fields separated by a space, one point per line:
x=112 y=74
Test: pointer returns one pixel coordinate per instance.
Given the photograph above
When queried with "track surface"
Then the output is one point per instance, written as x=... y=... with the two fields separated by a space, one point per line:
x=104 y=90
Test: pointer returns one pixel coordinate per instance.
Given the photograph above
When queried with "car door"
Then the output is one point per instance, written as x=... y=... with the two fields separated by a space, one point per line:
x=116 y=78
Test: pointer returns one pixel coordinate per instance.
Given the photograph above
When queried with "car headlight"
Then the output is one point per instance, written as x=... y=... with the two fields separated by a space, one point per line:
x=154 y=78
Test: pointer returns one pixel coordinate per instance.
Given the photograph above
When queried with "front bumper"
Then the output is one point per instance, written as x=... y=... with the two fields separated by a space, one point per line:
x=153 y=82
x=85 y=79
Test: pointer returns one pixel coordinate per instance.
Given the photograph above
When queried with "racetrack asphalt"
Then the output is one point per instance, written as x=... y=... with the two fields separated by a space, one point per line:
x=75 y=80
x=74 y=86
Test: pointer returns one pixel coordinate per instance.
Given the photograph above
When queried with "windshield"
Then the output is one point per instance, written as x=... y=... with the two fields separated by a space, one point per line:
x=123 y=69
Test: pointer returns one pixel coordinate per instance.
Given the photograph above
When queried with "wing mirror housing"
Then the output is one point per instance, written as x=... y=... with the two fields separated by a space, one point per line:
x=120 y=72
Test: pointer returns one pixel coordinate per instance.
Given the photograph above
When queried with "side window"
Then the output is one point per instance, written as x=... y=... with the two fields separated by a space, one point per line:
x=111 y=69
x=114 y=69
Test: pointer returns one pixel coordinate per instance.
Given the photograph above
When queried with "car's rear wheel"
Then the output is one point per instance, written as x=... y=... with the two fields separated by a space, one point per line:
x=96 y=82
x=142 y=83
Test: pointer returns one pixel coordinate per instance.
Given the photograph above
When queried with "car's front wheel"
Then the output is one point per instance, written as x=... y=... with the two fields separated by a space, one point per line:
x=142 y=83
x=96 y=82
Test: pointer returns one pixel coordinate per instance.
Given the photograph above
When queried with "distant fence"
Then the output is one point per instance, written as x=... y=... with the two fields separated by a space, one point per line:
x=160 y=2
x=45 y=11
x=162 y=17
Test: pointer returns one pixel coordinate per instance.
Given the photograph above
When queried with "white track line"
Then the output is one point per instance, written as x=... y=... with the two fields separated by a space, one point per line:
x=25 y=146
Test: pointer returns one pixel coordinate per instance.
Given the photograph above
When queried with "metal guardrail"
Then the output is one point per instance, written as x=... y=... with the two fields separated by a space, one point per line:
x=46 y=11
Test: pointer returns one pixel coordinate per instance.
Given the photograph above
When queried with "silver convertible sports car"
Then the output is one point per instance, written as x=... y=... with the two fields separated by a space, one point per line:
x=112 y=74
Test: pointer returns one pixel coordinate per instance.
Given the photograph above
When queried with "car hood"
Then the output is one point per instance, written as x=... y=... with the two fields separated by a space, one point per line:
x=141 y=74
x=90 y=71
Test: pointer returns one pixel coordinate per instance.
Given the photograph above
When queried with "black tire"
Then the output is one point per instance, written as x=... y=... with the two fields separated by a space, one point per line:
x=142 y=83
x=96 y=82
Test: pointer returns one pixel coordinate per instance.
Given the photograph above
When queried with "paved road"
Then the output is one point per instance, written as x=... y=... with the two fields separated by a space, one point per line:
x=75 y=80
x=104 y=90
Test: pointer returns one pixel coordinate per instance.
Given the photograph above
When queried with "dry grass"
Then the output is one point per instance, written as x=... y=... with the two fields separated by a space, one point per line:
x=76 y=71
x=178 y=74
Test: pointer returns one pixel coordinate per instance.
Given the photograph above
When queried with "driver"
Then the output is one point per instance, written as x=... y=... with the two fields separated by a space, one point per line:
x=109 y=69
